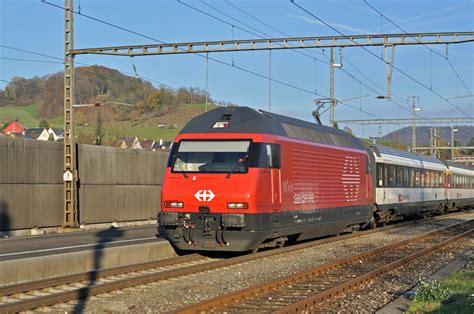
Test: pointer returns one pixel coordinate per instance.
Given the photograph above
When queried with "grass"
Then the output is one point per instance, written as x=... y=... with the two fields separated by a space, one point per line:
x=461 y=294
x=26 y=115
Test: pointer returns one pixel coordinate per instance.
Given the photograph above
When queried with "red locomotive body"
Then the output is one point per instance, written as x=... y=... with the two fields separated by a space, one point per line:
x=238 y=179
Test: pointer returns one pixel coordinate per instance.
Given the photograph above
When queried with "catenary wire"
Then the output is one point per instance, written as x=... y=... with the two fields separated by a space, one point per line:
x=431 y=50
x=373 y=54
x=195 y=53
x=268 y=36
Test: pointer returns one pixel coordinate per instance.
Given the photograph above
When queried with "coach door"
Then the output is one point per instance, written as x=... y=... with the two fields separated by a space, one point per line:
x=273 y=155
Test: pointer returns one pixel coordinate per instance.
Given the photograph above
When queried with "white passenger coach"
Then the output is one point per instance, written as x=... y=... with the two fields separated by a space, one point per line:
x=408 y=184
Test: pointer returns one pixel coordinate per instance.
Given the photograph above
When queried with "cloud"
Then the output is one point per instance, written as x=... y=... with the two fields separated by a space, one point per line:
x=335 y=25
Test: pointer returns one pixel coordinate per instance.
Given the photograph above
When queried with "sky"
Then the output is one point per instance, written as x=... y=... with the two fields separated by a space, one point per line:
x=35 y=26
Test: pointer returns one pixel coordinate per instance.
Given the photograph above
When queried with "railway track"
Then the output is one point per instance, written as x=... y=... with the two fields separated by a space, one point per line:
x=304 y=291
x=44 y=293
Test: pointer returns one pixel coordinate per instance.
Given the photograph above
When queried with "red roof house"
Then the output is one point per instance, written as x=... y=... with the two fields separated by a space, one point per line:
x=13 y=127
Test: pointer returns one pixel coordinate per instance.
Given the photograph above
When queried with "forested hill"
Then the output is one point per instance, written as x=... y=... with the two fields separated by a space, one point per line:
x=98 y=84
x=463 y=136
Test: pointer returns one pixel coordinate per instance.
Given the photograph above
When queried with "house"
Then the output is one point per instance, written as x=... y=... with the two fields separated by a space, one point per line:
x=57 y=133
x=130 y=142
x=162 y=145
x=14 y=128
x=21 y=136
x=147 y=144
x=39 y=134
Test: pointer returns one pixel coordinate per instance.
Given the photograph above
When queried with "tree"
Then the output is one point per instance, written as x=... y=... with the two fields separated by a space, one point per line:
x=44 y=124
x=99 y=130
x=471 y=143
x=80 y=118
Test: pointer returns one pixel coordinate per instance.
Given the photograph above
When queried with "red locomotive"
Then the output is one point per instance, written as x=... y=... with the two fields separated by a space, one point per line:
x=238 y=179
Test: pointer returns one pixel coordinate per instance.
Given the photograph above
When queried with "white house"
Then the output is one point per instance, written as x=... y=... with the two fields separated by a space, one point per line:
x=57 y=133
x=39 y=134
x=130 y=142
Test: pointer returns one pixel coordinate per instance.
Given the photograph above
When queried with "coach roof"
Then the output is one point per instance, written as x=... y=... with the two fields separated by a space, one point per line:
x=246 y=120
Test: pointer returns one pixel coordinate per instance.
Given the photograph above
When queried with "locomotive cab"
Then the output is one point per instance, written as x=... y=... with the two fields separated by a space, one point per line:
x=210 y=198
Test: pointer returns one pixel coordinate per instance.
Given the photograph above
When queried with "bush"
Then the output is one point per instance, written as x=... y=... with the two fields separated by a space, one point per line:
x=432 y=292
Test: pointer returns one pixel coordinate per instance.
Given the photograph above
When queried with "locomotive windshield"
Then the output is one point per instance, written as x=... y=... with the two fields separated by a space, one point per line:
x=212 y=156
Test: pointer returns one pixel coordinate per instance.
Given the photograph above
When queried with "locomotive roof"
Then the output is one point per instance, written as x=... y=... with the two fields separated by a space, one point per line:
x=248 y=120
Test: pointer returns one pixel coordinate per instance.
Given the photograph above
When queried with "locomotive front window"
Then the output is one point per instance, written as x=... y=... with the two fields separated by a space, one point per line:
x=211 y=156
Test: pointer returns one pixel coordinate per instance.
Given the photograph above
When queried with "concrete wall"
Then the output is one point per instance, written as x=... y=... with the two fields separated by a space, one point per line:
x=114 y=184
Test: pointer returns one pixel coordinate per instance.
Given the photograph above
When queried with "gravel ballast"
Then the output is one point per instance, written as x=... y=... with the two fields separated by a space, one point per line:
x=167 y=295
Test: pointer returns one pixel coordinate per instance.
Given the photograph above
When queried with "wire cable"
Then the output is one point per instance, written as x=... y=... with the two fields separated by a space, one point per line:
x=268 y=36
x=431 y=50
x=195 y=53
x=373 y=54
x=286 y=34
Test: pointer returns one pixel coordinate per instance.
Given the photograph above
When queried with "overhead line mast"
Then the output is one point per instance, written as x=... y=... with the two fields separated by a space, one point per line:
x=70 y=169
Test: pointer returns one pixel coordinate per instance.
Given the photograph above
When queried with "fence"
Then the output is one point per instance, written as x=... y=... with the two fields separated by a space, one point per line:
x=114 y=184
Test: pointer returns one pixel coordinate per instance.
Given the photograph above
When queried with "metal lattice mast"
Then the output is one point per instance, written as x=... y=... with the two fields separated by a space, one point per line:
x=70 y=173
x=331 y=89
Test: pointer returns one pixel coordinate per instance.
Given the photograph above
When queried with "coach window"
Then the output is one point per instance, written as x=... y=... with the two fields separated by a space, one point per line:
x=399 y=176
x=422 y=179
x=417 y=179
x=406 y=177
x=392 y=176
x=432 y=179
x=379 y=175
x=436 y=179
x=385 y=175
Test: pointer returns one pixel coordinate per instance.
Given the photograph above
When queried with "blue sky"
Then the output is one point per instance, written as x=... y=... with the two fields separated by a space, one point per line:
x=33 y=25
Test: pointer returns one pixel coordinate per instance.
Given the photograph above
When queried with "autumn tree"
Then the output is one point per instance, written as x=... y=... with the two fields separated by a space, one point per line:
x=99 y=130
x=80 y=118
x=44 y=124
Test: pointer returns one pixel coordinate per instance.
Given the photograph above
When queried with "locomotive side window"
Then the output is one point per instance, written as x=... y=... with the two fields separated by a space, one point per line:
x=264 y=155
x=172 y=154
x=211 y=156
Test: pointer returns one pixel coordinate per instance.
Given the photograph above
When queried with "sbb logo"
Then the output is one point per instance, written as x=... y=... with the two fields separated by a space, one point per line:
x=204 y=195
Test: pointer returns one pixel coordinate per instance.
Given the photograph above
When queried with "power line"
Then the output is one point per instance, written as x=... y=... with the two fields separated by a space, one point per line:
x=82 y=63
x=431 y=50
x=393 y=66
x=253 y=33
x=30 y=60
x=197 y=54
x=286 y=34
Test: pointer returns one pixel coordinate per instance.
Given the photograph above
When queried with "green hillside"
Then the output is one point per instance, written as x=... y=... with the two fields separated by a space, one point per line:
x=130 y=106
x=146 y=128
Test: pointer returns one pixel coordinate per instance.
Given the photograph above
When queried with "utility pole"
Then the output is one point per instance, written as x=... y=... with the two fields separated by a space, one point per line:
x=413 y=126
x=207 y=77
x=453 y=129
x=331 y=89
x=70 y=171
x=269 y=81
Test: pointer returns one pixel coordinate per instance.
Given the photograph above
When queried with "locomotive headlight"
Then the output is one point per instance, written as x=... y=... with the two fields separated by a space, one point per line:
x=237 y=205
x=174 y=204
